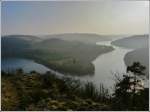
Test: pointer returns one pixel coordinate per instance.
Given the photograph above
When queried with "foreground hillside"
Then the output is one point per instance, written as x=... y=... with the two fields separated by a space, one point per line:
x=69 y=57
x=44 y=92
x=38 y=92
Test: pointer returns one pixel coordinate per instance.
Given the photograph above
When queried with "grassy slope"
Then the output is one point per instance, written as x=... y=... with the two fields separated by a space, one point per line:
x=44 y=92
x=47 y=92
x=68 y=57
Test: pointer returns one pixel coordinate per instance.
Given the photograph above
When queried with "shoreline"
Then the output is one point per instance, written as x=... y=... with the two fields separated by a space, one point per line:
x=51 y=66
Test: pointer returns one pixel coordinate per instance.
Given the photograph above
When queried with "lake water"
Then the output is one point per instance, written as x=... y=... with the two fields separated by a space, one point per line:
x=105 y=66
x=10 y=64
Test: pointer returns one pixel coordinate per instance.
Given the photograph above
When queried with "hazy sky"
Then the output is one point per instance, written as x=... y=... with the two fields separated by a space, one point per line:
x=120 y=17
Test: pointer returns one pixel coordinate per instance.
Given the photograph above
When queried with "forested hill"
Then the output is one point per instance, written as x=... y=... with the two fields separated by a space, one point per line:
x=89 y=38
x=71 y=57
x=133 y=42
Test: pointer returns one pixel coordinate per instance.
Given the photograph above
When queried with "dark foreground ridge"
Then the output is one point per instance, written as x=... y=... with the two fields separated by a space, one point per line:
x=38 y=92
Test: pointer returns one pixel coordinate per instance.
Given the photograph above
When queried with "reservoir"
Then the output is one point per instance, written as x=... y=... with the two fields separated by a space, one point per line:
x=106 y=65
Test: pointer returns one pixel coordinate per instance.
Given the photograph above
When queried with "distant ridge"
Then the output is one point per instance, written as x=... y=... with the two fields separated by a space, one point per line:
x=133 y=42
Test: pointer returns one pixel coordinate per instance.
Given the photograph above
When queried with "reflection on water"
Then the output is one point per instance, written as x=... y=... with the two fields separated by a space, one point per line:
x=9 y=64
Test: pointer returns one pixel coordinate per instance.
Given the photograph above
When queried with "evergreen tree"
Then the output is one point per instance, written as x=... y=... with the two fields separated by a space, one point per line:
x=129 y=88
